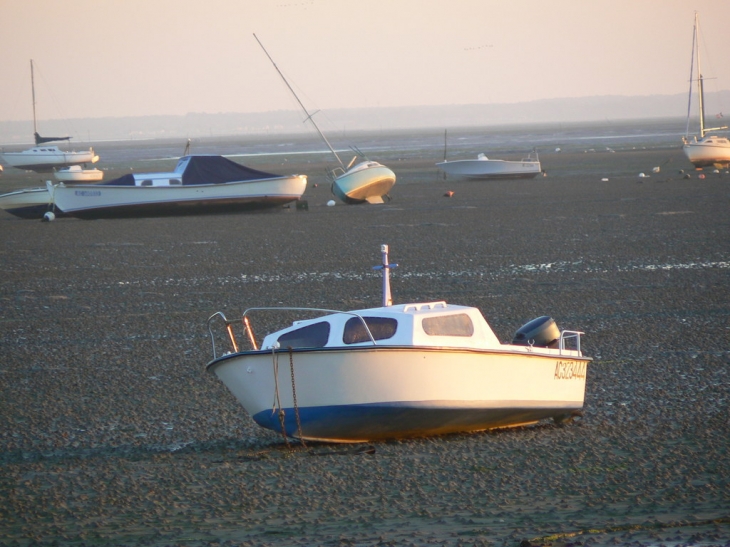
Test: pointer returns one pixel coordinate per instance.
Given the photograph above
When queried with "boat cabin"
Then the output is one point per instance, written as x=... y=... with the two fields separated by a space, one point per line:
x=158 y=179
x=431 y=324
x=43 y=150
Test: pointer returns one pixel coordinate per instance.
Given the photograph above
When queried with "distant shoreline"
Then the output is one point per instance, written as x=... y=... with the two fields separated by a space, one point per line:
x=668 y=127
x=341 y=122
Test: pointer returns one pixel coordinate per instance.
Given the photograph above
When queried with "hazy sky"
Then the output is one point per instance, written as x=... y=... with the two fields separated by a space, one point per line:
x=99 y=58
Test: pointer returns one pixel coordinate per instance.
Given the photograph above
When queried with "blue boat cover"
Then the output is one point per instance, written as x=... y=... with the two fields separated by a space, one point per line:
x=207 y=170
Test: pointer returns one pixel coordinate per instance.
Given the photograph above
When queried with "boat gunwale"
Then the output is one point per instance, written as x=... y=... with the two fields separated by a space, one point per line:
x=175 y=186
x=532 y=353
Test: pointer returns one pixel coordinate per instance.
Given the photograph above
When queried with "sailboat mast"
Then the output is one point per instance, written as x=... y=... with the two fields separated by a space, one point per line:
x=32 y=88
x=691 y=75
x=700 y=87
x=309 y=116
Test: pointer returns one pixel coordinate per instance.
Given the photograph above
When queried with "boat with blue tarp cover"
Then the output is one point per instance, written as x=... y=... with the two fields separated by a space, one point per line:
x=199 y=184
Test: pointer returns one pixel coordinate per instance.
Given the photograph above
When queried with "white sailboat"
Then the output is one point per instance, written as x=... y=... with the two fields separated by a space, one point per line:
x=705 y=150
x=366 y=181
x=43 y=158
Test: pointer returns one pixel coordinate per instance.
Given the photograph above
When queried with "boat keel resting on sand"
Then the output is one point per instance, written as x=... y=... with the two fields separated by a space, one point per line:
x=398 y=371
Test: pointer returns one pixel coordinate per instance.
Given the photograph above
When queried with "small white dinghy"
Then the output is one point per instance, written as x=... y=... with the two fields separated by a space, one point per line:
x=75 y=173
x=399 y=371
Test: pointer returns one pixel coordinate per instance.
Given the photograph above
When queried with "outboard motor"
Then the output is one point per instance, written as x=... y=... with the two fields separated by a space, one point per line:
x=541 y=333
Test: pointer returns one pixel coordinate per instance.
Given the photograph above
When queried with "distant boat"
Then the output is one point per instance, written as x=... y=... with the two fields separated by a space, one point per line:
x=707 y=150
x=485 y=168
x=75 y=173
x=41 y=158
x=364 y=182
x=199 y=184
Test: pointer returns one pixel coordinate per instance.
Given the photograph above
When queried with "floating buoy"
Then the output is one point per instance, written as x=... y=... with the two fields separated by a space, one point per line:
x=331 y=203
x=49 y=216
x=701 y=176
x=656 y=169
x=604 y=179
x=642 y=176
x=448 y=194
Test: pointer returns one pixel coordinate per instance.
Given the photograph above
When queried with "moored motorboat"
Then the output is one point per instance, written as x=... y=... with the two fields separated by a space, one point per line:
x=27 y=203
x=485 y=168
x=76 y=173
x=199 y=184
x=398 y=371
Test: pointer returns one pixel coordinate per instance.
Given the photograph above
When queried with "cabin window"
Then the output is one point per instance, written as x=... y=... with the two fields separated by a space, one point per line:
x=448 y=325
x=311 y=336
x=175 y=182
x=146 y=183
x=381 y=328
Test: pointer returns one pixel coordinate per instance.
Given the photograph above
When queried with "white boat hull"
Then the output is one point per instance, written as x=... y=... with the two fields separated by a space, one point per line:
x=44 y=158
x=490 y=169
x=27 y=203
x=708 y=152
x=371 y=393
x=366 y=182
x=100 y=201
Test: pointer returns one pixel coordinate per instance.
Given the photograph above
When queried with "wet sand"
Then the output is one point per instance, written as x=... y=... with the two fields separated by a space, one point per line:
x=114 y=434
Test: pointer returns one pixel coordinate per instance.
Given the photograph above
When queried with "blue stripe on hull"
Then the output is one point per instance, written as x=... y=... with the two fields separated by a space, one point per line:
x=380 y=421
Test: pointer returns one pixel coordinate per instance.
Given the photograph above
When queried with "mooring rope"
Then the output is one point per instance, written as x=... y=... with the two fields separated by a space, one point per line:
x=294 y=397
x=277 y=399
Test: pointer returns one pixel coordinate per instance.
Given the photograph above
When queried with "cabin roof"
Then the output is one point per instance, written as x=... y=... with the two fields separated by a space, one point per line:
x=418 y=324
x=200 y=169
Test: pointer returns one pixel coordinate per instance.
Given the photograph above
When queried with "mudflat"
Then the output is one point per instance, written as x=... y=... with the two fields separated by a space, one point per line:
x=114 y=434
